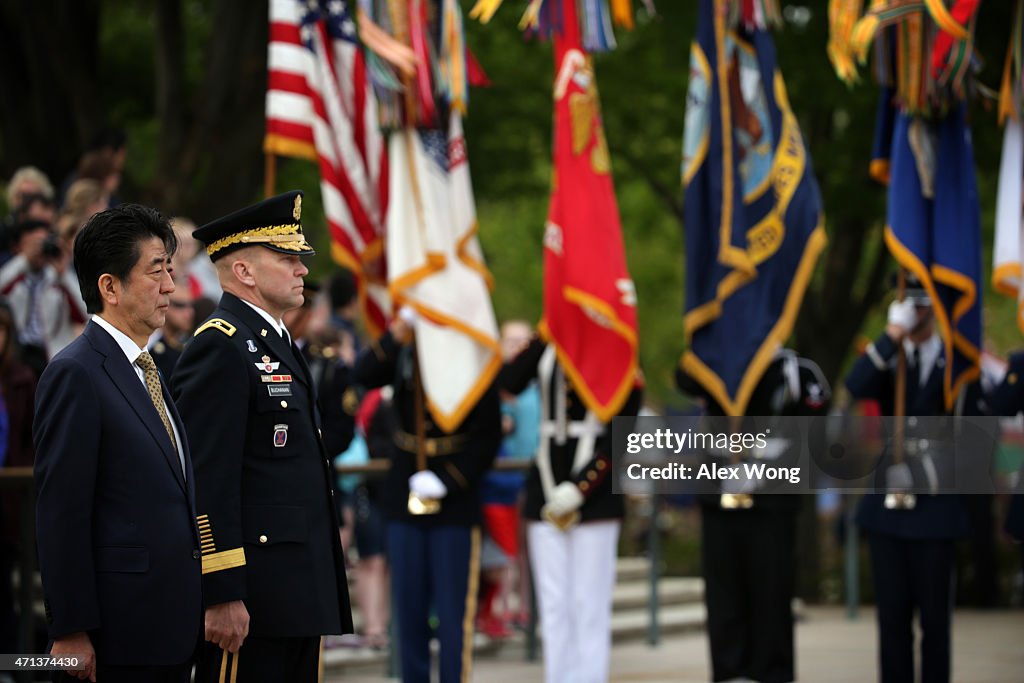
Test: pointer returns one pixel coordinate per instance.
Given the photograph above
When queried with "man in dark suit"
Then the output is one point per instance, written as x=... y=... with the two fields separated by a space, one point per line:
x=273 y=574
x=118 y=543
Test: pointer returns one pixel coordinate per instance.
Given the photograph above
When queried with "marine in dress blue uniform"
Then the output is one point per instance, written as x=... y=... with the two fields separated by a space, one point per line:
x=271 y=552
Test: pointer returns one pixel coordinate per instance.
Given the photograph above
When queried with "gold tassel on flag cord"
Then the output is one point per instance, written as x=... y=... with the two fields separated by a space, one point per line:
x=484 y=10
x=531 y=17
x=842 y=16
x=452 y=60
x=945 y=21
x=622 y=13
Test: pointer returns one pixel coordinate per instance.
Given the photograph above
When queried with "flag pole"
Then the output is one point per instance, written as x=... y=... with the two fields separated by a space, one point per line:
x=900 y=500
x=900 y=399
x=269 y=173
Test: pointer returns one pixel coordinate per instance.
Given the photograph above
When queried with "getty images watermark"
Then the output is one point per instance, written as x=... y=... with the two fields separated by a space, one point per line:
x=787 y=455
x=665 y=440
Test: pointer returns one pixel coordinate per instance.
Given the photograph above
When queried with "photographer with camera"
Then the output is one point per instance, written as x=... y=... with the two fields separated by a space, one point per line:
x=42 y=293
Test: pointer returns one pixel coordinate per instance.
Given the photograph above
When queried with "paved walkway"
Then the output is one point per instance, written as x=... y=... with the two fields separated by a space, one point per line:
x=988 y=648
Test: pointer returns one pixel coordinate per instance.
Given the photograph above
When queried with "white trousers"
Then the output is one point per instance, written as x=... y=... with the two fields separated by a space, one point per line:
x=573 y=576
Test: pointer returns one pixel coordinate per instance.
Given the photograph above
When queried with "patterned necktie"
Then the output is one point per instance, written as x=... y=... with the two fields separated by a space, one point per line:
x=145 y=361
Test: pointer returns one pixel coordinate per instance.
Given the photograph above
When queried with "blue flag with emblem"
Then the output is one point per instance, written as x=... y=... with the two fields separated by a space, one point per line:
x=934 y=231
x=753 y=220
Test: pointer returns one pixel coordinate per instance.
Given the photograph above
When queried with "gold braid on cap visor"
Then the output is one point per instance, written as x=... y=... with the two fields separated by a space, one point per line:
x=284 y=236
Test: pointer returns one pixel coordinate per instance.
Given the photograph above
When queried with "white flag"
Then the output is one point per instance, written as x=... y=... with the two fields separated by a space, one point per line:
x=1006 y=252
x=436 y=266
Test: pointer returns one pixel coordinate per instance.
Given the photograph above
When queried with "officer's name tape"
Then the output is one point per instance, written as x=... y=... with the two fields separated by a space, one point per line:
x=842 y=453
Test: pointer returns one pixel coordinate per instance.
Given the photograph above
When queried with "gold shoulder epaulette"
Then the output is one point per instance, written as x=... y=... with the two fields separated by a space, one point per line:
x=217 y=324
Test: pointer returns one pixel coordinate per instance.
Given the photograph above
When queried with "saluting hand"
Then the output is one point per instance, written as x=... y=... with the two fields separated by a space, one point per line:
x=403 y=325
x=227 y=625
x=901 y=319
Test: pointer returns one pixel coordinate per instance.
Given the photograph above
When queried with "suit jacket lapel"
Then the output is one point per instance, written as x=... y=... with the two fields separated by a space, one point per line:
x=127 y=382
x=189 y=483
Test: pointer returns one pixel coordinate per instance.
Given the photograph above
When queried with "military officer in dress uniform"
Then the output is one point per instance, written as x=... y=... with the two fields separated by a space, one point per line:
x=432 y=502
x=573 y=519
x=748 y=542
x=911 y=539
x=273 y=574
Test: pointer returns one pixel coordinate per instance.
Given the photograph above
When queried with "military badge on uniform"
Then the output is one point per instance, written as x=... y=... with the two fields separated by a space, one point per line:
x=280 y=435
x=267 y=365
x=279 y=390
x=297 y=209
x=251 y=345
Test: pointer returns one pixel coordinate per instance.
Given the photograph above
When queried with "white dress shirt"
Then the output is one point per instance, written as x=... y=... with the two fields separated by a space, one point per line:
x=132 y=352
x=278 y=325
x=928 y=354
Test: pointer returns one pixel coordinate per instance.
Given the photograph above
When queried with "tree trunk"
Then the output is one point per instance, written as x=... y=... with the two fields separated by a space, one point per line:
x=222 y=155
x=48 y=74
x=170 y=97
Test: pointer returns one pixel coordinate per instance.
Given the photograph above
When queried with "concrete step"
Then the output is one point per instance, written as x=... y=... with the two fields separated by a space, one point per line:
x=632 y=569
x=635 y=623
x=626 y=626
x=671 y=591
x=680 y=602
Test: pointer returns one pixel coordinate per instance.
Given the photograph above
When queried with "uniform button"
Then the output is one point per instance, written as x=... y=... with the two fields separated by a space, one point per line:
x=284 y=404
x=263 y=538
x=196 y=555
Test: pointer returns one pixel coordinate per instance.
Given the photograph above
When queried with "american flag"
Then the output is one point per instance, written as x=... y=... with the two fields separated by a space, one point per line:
x=320 y=107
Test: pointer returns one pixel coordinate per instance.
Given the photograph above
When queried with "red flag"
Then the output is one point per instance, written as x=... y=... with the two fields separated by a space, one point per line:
x=589 y=298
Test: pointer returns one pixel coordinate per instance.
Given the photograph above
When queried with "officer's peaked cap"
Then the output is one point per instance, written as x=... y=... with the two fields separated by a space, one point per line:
x=274 y=223
x=913 y=288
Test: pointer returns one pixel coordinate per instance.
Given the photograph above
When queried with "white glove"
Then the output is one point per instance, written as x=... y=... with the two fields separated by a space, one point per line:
x=565 y=498
x=426 y=484
x=408 y=315
x=899 y=477
x=902 y=314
